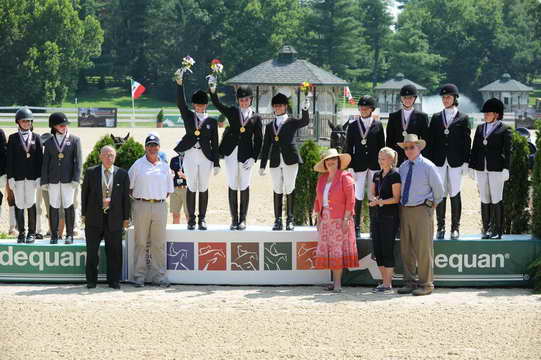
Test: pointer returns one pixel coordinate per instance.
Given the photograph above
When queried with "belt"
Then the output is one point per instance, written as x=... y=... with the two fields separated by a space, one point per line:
x=413 y=206
x=151 y=200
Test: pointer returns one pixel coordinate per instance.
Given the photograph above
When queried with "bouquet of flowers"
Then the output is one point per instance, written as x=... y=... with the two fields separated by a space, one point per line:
x=217 y=68
x=187 y=63
x=306 y=87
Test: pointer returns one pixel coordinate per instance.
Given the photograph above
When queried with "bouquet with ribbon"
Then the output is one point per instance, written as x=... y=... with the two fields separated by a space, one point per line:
x=217 y=68
x=306 y=87
x=187 y=63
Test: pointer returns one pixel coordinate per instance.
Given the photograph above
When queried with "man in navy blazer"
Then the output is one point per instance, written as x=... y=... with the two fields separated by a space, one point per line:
x=105 y=209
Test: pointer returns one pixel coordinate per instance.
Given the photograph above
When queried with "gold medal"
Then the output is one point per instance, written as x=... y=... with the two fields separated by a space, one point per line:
x=197 y=132
x=242 y=129
x=60 y=155
x=276 y=138
x=28 y=155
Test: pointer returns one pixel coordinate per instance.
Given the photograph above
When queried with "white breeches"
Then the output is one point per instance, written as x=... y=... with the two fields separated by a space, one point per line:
x=283 y=177
x=25 y=193
x=451 y=177
x=363 y=183
x=237 y=177
x=197 y=169
x=490 y=184
x=61 y=195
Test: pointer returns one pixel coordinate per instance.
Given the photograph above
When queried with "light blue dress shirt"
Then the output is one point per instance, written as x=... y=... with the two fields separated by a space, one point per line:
x=425 y=181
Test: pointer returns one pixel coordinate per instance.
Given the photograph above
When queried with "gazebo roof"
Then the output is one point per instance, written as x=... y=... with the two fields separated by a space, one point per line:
x=397 y=82
x=505 y=83
x=286 y=69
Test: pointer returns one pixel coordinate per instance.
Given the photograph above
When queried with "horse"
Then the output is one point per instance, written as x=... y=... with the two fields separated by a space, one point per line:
x=338 y=136
x=119 y=141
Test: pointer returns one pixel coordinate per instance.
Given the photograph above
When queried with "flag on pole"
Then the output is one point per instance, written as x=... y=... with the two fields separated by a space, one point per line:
x=136 y=89
x=347 y=94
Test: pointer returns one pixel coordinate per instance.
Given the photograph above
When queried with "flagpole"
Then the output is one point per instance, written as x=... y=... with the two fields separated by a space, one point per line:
x=132 y=105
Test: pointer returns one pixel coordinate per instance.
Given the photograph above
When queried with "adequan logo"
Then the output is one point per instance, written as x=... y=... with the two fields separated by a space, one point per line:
x=471 y=261
x=42 y=259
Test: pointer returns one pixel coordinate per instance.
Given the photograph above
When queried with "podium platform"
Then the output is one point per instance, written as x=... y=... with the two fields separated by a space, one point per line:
x=260 y=256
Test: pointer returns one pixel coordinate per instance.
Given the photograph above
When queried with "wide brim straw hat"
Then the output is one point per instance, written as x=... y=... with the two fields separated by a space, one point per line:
x=412 y=138
x=345 y=159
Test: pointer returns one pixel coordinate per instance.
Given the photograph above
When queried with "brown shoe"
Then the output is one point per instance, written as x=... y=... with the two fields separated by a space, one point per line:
x=406 y=289
x=422 y=291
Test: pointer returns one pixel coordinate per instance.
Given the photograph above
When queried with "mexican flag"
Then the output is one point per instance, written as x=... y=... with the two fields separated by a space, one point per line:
x=136 y=89
x=347 y=95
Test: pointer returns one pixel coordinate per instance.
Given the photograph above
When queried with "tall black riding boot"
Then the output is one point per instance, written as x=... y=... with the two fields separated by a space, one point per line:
x=357 y=218
x=19 y=219
x=456 y=212
x=70 y=224
x=440 y=218
x=496 y=213
x=278 y=200
x=290 y=203
x=203 y=203
x=233 y=209
x=485 y=219
x=32 y=215
x=54 y=219
x=190 y=207
x=244 y=201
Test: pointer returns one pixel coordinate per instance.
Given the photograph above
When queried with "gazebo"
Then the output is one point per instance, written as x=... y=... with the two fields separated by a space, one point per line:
x=388 y=94
x=285 y=74
x=512 y=93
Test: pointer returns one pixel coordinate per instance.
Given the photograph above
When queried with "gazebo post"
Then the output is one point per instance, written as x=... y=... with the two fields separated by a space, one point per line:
x=298 y=102
x=316 y=118
x=257 y=99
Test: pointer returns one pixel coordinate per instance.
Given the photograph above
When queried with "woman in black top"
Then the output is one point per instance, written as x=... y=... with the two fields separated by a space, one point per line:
x=385 y=191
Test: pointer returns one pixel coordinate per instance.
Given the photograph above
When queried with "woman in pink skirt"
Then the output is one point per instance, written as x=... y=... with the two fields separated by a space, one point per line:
x=334 y=208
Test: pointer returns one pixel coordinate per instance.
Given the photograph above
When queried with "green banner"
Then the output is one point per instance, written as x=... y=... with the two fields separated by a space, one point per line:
x=461 y=262
x=45 y=262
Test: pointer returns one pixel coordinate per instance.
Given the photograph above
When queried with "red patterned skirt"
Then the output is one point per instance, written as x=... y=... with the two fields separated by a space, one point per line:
x=336 y=249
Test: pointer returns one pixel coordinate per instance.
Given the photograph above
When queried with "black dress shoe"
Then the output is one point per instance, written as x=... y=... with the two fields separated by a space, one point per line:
x=39 y=236
x=114 y=285
x=91 y=285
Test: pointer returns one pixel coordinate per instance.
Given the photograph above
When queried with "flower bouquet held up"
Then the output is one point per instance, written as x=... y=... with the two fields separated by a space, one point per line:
x=186 y=65
x=217 y=68
x=305 y=88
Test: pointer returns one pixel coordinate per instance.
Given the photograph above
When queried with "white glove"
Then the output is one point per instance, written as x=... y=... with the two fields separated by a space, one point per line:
x=465 y=169
x=45 y=187
x=213 y=81
x=3 y=181
x=505 y=173
x=75 y=184
x=306 y=104
x=247 y=165
x=262 y=172
x=179 y=75
x=11 y=183
x=216 y=170
x=472 y=174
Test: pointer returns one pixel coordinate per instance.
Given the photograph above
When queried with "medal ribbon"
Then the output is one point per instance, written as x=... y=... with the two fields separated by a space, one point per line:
x=445 y=118
x=494 y=127
x=405 y=122
x=60 y=147
x=362 y=130
x=243 y=121
x=277 y=130
x=26 y=144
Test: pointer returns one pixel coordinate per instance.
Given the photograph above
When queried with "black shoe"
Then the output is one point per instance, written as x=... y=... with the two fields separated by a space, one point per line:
x=278 y=225
x=191 y=226
x=39 y=236
x=202 y=224
x=115 y=285
x=30 y=238
x=455 y=234
x=68 y=240
x=20 y=239
x=54 y=240
x=91 y=285
x=440 y=234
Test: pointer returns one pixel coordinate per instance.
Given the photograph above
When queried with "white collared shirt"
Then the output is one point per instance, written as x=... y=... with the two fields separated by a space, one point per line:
x=326 y=194
x=246 y=113
x=407 y=114
x=450 y=114
x=490 y=127
x=104 y=179
x=280 y=119
x=59 y=137
x=150 y=181
x=366 y=122
x=201 y=116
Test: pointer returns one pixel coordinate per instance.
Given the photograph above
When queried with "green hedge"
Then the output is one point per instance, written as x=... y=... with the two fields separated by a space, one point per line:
x=535 y=267
x=305 y=186
x=127 y=153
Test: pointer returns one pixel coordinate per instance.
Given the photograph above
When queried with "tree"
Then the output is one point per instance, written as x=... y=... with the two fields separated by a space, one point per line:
x=305 y=193
x=536 y=182
x=44 y=47
x=376 y=23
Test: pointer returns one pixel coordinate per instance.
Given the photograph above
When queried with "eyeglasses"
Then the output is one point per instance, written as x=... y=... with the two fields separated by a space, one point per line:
x=409 y=147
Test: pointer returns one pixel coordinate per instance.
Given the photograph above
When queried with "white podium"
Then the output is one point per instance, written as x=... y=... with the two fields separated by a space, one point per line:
x=256 y=256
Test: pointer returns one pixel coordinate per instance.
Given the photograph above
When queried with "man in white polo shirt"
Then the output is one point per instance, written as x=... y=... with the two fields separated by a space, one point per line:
x=151 y=183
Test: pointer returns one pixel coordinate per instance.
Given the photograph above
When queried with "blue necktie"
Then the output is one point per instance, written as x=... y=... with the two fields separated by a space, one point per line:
x=406 y=193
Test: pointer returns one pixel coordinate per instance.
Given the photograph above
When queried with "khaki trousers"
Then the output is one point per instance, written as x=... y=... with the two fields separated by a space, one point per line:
x=150 y=221
x=416 y=245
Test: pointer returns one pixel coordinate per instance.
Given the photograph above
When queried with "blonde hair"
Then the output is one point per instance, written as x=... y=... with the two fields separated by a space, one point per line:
x=390 y=152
